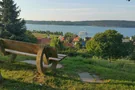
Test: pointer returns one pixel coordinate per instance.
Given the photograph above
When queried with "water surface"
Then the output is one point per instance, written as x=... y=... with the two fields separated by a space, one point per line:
x=91 y=30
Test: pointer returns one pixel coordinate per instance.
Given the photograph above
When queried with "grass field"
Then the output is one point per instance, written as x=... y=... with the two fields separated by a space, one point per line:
x=118 y=75
x=39 y=35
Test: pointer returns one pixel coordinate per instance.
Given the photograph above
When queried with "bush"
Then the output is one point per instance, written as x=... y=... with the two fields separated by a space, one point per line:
x=30 y=37
x=132 y=57
x=74 y=53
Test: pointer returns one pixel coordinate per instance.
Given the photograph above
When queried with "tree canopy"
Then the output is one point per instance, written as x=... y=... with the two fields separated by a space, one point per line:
x=108 y=44
x=55 y=42
x=12 y=27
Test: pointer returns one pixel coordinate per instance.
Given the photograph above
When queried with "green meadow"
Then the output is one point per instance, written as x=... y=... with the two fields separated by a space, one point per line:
x=118 y=75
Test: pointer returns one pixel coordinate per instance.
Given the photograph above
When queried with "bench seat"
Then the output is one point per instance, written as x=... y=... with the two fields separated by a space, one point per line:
x=21 y=53
x=60 y=56
x=44 y=54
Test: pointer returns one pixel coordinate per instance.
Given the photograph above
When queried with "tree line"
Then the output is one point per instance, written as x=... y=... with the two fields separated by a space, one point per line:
x=104 y=23
x=48 y=32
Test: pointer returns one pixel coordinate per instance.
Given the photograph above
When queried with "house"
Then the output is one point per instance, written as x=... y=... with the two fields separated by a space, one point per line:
x=61 y=38
x=83 y=42
x=76 y=39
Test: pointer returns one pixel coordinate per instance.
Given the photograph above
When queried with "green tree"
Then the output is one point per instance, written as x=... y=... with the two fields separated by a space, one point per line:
x=108 y=45
x=55 y=42
x=12 y=27
x=78 y=45
x=68 y=34
x=29 y=37
x=69 y=37
x=127 y=48
x=94 y=48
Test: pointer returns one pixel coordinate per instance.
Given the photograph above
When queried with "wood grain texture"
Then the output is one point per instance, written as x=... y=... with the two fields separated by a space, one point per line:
x=20 y=53
x=41 y=57
x=2 y=48
x=44 y=54
x=21 y=46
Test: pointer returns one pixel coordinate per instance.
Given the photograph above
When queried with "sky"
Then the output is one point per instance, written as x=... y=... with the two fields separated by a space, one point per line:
x=76 y=10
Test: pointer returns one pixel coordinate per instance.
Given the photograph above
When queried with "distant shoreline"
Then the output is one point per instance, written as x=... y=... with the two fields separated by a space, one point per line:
x=102 y=23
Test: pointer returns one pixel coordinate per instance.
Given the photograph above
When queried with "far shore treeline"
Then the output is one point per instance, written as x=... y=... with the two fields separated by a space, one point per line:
x=104 y=23
x=48 y=32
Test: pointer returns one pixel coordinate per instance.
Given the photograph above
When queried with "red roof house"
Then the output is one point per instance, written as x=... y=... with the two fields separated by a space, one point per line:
x=76 y=39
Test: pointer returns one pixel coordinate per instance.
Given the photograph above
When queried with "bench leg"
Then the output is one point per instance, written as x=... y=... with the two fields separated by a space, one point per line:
x=2 y=49
x=54 y=65
x=13 y=57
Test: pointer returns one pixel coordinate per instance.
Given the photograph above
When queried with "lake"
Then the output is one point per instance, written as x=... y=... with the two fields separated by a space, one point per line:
x=91 y=30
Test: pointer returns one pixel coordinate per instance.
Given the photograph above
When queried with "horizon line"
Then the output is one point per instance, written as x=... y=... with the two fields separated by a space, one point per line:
x=79 y=20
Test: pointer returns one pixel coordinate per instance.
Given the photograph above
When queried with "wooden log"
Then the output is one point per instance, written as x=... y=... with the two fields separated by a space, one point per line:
x=43 y=54
x=62 y=55
x=2 y=48
x=53 y=67
x=20 y=53
x=41 y=57
x=21 y=46
x=51 y=52
x=54 y=59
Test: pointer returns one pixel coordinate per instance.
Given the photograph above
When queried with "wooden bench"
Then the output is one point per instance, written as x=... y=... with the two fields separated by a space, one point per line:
x=44 y=54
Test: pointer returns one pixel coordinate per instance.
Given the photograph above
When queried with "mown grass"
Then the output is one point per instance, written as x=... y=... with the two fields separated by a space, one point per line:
x=118 y=75
x=40 y=35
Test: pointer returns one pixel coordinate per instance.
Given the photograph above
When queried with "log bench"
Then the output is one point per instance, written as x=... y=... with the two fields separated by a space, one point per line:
x=44 y=54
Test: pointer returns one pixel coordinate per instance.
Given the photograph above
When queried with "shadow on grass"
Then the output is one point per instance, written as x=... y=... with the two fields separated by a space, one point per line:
x=116 y=83
x=16 y=66
x=62 y=75
x=17 y=85
x=128 y=83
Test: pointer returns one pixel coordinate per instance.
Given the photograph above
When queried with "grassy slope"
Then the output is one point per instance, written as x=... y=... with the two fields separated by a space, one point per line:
x=20 y=76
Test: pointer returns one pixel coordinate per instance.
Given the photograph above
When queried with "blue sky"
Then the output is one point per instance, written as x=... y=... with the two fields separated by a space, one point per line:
x=77 y=10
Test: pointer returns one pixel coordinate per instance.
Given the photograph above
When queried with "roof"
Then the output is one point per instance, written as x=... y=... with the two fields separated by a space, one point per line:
x=76 y=39
x=61 y=38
